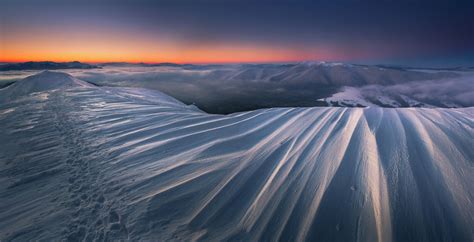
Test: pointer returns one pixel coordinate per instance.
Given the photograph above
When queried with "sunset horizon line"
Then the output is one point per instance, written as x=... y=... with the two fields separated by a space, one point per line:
x=172 y=62
x=354 y=62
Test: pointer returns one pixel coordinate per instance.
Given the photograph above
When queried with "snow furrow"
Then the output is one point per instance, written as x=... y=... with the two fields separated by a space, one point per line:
x=115 y=163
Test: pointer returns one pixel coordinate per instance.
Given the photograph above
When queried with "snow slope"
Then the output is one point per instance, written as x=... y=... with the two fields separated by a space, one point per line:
x=85 y=162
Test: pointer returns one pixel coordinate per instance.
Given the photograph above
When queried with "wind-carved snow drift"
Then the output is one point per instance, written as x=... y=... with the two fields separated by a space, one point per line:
x=85 y=162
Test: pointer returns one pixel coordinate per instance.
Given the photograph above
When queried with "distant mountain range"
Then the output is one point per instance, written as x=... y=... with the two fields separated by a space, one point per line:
x=45 y=65
x=331 y=71
x=229 y=88
x=329 y=74
x=319 y=73
x=141 y=64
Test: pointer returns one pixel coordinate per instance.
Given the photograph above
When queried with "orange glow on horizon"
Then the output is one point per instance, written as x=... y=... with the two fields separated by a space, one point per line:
x=197 y=56
x=193 y=57
x=96 y=46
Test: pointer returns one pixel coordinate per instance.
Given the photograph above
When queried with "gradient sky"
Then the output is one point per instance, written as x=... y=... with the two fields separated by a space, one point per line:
x=405 y=32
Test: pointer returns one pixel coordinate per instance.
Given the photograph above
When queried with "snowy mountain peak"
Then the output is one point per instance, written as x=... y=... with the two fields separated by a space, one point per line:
x=50 y=74
x=48 y=80
x=43 y=81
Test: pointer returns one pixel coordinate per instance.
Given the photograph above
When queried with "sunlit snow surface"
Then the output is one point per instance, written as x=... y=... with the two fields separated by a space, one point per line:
x=85 y=162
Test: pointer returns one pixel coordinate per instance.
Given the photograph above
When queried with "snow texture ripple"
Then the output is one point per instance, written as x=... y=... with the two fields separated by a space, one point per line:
x=80 y=162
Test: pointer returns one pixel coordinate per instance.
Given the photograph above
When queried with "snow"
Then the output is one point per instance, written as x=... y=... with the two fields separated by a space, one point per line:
x=444 y=93
x=324 y=63
x=348 y=97
x=46 y=80
x=101 y=163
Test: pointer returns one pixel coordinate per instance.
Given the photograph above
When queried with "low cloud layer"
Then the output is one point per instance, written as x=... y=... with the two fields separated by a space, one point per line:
x=234 y=88
x=444 y=92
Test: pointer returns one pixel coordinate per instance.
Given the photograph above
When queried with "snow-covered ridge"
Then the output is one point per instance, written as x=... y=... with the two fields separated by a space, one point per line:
x=44 y=81
x=111 y=163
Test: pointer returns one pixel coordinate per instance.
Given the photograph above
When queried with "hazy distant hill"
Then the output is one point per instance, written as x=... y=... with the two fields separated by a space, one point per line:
x=45 y=65
x=330 y=74
x=141 y=64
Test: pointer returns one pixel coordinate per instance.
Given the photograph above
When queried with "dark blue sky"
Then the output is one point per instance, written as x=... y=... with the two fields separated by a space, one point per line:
x=407 y=32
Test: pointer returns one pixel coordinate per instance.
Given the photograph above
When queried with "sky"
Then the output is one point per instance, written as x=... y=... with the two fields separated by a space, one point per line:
x=403 y=32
